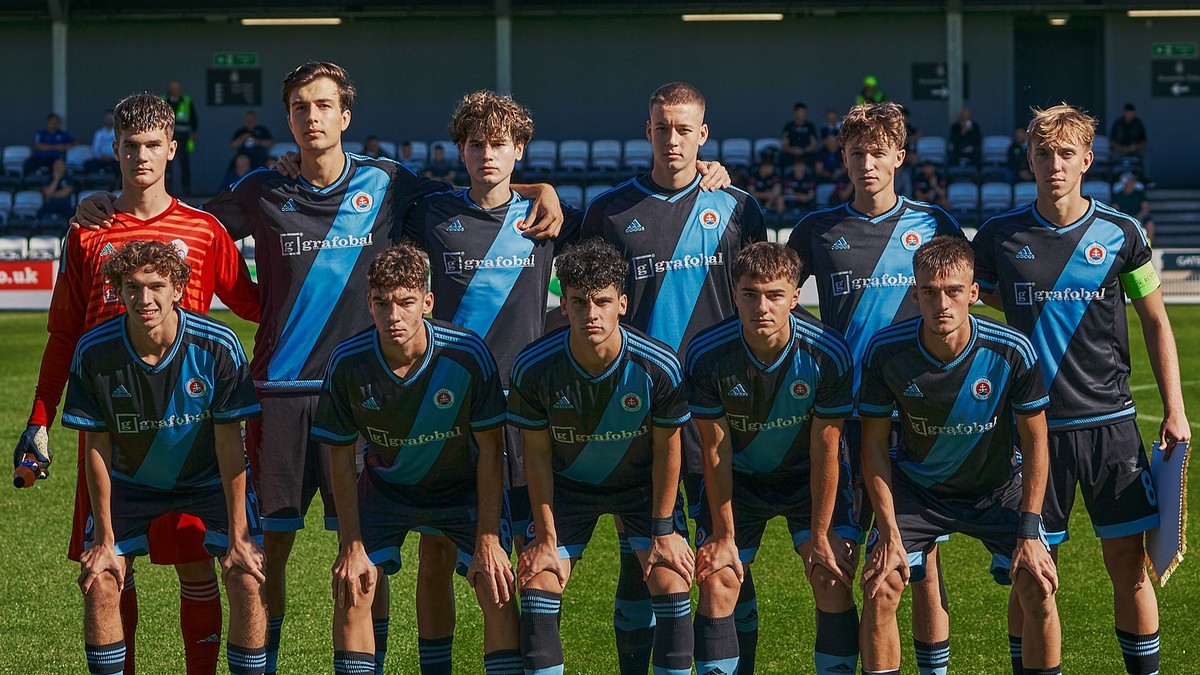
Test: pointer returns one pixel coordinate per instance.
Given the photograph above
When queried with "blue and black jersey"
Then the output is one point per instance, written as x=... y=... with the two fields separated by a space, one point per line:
x=770 y=406
x=312 y=247
x=420 y=449
x=1064 y=287
x=160 y=418
x=863 y=265
x=600 y=427
x=957 y=417
x=680 y=247
x=488 y=276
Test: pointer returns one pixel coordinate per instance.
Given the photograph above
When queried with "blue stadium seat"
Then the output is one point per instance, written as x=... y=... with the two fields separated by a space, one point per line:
x=353 y=146
x=13 y=159
x=711 y=150
x=963 y=200
x=737 y=152
x=593 y=191
x=43 y=247
x=1099 y=190
x=995 y=150
x=824 y=194
x=639 y=156
x=994 y=198
x=76 y=156
x=540 y=157
x=1102 y=153
x=388 y=148
x=282 y=148
x=932 y=149
x=573 y=156
x=420 y=152
x=764 y=145
x=13 y=248
x=606 y=155
x=1024 y=192
x=26 y=204
x=571 y=194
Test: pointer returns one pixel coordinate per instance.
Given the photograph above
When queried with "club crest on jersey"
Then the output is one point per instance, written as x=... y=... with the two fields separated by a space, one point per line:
x=180 y=247
x=361 y=202
x=981 y=389
x=631 y=402
x=911 y=240
x=801 y=389
x=195 y=387
x=709 y=219
x=519 y=226
x=1095 y=253
x=444 y=398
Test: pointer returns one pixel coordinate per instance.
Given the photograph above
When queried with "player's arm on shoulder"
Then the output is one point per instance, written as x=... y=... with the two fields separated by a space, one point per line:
x=546 y=214
x=713 y=175
x=95 y=211
x=1164 y=361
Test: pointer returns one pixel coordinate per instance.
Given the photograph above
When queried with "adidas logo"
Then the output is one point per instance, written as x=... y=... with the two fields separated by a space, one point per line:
x=749 y=619
x=1025 y=254
x=840 y=668
x=738 y=391
x=840 y=245
x=563 y=404
x=108 y=249
x=456 y=226
x=913 y=391
x=634 y=226
x=290 y=206
x=370 y=404
x=715 y=671
x=121 y=392
x=215 y=638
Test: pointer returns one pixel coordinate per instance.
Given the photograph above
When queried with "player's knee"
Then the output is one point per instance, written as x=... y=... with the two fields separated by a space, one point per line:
x=1036 y=602
x=277 y=547
x=719 y=593
x=196 y=571
x=887 y=596
x=828 y=590
x=666 y=580
x=1125 y=560
x=103 y=592
x=243 y=589
x=544 y=581
x=438 y=555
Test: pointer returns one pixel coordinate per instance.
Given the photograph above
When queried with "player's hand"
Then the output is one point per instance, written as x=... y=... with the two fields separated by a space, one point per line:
x=288 y=164
x=35 y=440
x=834 y=554
x=1032 y=556
x=1174 y=429
x=670 y=550
x=95 y=212
x=713 y=176
x=245 y=553
x=715 y=555
x=540 y=556
x=99 y=559
x=888 y=556
x=353 y=576
x=545 y=219
x=491 y=561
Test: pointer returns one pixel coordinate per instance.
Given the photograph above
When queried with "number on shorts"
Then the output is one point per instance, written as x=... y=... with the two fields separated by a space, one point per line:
x=1148 y=486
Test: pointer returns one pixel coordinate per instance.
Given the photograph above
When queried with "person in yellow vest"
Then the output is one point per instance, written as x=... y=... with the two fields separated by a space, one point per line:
x=186 y=124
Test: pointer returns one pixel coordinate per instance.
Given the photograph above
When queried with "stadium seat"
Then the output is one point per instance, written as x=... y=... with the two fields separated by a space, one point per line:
x=994 y=198
x=26 y=204
x=824 y=194
x=353 y=146
x=280 y=149
x=450 y=150
x=711 y=150
x=1024 y=192
x=1102 y=153
x=593 y=191
x=420 y=152
x=6 y=199
x=14 y=157
x=13 y=248
x=573 y=156
x=43 y=247
x=737 y=152
x=606 y=155
x=76 y=156
x=639 y=156
x=764 y=145
x=388 y=148
x=540 y=156
x=963 y=200
x=932 y=149
x=571 y=194
x=1098 y=190
x=995 y=150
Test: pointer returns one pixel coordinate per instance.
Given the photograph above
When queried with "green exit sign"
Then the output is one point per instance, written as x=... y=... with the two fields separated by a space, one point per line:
x=235 y=59
x=1187 y=49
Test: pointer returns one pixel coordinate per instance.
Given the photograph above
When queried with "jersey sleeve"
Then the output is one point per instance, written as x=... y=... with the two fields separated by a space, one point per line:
x=753 y=222
x=835 y=391
x=68 y=307
x=488 y=408
x=237 y=205
x=984 y=246
x=875 y=398
x=669 y=407
x=800 y=241
x=593 y=221
x=234 y=398
x=704 y=398
x=409 y=189
x=412 y=225
x=231 y=277
x=526 y=407
x=1029 y=387
x=946 y=225
x=81 y=410
x=333 y=422
x=572 y=228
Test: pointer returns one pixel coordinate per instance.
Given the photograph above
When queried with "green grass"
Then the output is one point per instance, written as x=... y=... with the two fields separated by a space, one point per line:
x=41 y=610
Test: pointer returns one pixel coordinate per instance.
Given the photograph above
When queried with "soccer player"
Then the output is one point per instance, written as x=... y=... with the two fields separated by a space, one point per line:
x=860 y=253
x=770 y=390
x=1063 y=267
x=160 y=393
x=679 y=242
x=600 y=406
x=84 y=297
x=426 y=395
x=961 y=383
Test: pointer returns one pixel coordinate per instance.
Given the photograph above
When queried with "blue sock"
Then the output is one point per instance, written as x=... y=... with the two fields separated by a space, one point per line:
x=381 y=638
x=1014 y=653
x=274 y=629
x=933 y=658
x=633 y=618
x=1140 y=652
x=716 y=645
x=745 y=619
x=353 y=663
x=673 y=638
x=105 y=659
x=837 y=641
x=541 y=642
x=436 y=655
x=503 y=662
x=246 y=660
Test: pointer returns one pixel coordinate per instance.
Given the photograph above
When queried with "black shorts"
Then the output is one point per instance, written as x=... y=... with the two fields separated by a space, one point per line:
x=133 y=507
x=1110 y=465
x=758 y=498
x=576 y=511
x=385 y=522
x=288 y=467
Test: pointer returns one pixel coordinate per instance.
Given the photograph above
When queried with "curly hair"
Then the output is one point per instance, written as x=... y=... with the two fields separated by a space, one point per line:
x=491 y=116
x=399 y=266
x=943 y=255
x=1062 y=122
x=592 y=265
x=767 y=261
x=154 y=256
x=312 y=71
x=875 y=123
x=139 y=113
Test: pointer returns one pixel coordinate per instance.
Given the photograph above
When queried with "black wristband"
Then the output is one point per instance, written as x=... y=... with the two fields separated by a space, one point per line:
x=661 y=527
x=1030 y=526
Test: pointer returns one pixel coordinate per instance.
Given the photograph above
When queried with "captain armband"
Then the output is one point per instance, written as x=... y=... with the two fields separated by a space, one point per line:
x=1141 y=282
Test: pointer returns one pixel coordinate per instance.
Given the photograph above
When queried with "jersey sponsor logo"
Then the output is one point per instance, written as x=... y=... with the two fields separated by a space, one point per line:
x=645 y=266
x=844 y=284
x=840 y=245
x=295 y=243
x=738 y=391
x=1095 y=253
x=443 y=398
x=634 y=226
x=381 y=438
x=108 y=249
x=801 y=389
x=911 y=240
x=571 y=436
x=1025 y=254
x=921 y=427
x=743 y=424
x=131 y=423
x=195 y=387
x=913 y=391
x=563 y=403
x=290 y=206
x=709 y=219
x=631 y=402
x=456 y=263
x=456 y=226
x=981 y=389
x=370 y=404
x=121 y=392
x=181 y=248
x=1026 y=293
x=361 y=202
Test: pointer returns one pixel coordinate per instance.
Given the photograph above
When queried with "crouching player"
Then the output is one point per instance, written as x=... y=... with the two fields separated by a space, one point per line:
x=770 y=390
x=600 y=407
x=958 y=381
x=159 y=393
x=426 y=395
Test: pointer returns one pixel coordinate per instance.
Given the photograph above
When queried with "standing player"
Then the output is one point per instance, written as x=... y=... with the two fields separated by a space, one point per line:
x=600 y=407
x=1063 y=266
x=679 y=242
x=160 y=393
x=861 y=255
x=426 y=395
x=959 y=382
x=84 y=297
x=770 y=390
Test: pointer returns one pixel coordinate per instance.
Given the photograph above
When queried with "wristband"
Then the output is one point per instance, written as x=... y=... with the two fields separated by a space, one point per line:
x=1030 y=526
x=661 y=527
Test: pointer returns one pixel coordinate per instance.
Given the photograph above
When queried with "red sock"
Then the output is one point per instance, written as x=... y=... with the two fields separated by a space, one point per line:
x=200 y=619
x=129 y=619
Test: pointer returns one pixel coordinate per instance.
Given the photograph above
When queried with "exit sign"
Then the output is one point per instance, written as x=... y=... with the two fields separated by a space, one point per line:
x=1185 y=49
x=236 y=59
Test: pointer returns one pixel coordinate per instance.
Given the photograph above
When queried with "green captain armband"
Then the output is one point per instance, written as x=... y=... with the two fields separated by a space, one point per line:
x=1141 y=282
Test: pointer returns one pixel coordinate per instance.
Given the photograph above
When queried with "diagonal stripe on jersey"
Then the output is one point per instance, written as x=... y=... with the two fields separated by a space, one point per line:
x=596 y=461
x=412 y=462
x=169 y=450
x=770 y=446
x=489 y=287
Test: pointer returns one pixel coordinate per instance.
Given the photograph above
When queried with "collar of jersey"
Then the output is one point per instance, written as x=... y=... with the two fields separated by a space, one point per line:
x=669 y=197
x=166 y=360
x=466 y=197
x=1066 y=228
x=958 y=359
x=412 y=377
x=782 y=355
x=900 y=199
x=328 y=188
x=126 y=219
x=612 y=368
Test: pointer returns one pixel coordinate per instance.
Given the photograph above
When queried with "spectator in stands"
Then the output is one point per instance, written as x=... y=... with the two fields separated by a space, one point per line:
x=767 y=188
x=1131 y=199
x=104 y=158
x=57 y=193
x=1128 y=137
x=187 y=123
x=800 y=189
x=238 y=168
x=439 y=167
x=828 y=162
x=372 y=148
x=930 y=186
x=1018 y=157
x=966 y=140
x=252 y=140
x=49 y=144
x=870 y=92
x=832 y=125
x=799 y=139
x=843 y=190
x=407 y=159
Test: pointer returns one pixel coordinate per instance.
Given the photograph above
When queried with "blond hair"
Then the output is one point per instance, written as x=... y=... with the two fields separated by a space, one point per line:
x=1060 y=123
